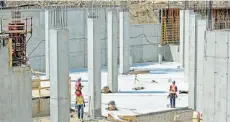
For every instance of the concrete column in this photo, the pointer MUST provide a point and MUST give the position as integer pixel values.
(182, 35)
(160, 52)
(124, 42)
(186, 44)
(47, 54)
(59, 75)
(192, 61)
(94, 65)
(112, 50)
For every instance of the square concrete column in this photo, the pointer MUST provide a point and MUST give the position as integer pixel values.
(94, 65)
(182, 36)
(47, 53)
(112, 26)
(186, 44)
(59, 75)
(124, 41)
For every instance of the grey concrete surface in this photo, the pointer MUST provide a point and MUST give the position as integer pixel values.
(112, 28)
(186, 44)
(125, 42)
(171, 53)
(192, 61)
(200, 34)
(182, 36)
(15, 91)
(45, 107)
(47, 44)
(94, 67)
(176, 115)
(216, 83)
(144, 38)
(59, 75)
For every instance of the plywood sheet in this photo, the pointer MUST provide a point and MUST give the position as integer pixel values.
(44, 93)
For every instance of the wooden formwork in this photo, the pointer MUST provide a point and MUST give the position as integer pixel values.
(36, 85)
(170, 22)
(220, 17)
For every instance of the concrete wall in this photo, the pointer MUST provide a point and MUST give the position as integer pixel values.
(15, 91)
(216, 73)
(207, 69)
(45, 107)
(144, 38)
(171, 52)
(176, 115)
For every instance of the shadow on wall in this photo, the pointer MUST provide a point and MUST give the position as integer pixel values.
(171, 53)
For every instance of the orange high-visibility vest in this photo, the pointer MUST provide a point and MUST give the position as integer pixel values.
(173, 89)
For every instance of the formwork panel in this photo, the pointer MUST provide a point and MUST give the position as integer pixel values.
(210, 40)
(208, 97)
(170, 25)
(220, 90)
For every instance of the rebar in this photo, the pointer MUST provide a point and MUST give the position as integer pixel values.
(59, 17)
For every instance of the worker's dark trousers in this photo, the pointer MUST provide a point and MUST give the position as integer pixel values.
(80, 111)
(173, 102)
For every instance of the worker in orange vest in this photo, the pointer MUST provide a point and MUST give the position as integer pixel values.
(78, 85)
(173, 94)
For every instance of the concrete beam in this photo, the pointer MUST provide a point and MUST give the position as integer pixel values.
(59, 75)
(124, 42)
(47, 53)
(94, 65)
(112, 25)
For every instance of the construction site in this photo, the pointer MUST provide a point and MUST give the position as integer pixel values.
(127, 55)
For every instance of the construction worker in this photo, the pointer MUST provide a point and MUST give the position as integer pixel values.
(78, 85)
(106, 90)
(112, 106)
(80, 104)
(173, 94)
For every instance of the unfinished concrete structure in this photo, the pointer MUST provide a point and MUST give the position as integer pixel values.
(59, 76)
(125, 42)
(112, 42)
(94, 64)
(15, 88)
(47, 42)
(206, 68)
